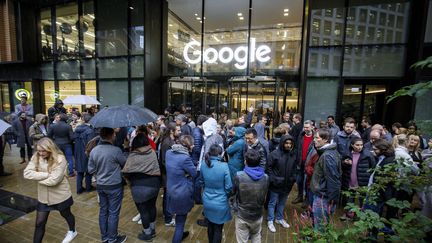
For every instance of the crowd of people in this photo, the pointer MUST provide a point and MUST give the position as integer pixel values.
(229, 166)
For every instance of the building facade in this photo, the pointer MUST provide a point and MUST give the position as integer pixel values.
(320, 58)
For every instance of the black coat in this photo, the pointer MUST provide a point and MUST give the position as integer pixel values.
(281, 167)
(83, 134)
(61, 133)
(365, 162)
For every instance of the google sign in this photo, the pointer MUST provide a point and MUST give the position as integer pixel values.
(226, 54)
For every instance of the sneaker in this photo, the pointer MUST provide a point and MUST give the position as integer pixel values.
(185, 235)
(171, 224)
(145, 237)
(283, 223)
(136, 218)
(297, 200)
(121, 239)
(202, 222)
(70, 235)
(271, 226)
(139, 222)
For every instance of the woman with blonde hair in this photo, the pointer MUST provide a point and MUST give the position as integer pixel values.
(413, 146)
(48, 167)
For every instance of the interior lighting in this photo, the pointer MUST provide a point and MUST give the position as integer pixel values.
(286, 14)
(198, 18)
(286, 10)
(241, 18)
(196, 14)
(239, 14)
(214, 37)
(131, 7)
(283, 47)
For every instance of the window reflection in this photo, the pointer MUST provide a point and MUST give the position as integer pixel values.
(46, 34)
(67, 25)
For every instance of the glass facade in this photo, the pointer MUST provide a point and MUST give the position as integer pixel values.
(10, 47)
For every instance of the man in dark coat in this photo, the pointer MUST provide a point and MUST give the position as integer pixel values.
(83, 134)
(21, 128)
(281, 168)
(252, 142)
(181, 120)
(297, 126)
(343, 138)
(57, 108)
(62, 134)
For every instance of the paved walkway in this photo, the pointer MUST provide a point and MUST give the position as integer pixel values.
(86, 212)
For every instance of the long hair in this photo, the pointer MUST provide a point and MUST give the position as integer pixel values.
(385, 147)
(400, 140)
(54, 152)
(417, 138)
(215, 150)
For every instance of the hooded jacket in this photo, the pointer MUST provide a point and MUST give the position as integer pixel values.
(36, 131)
(235, 151)
(260, 129)
(274, 143)
(281, 167)
(54, 110)
(210, 137)
(83, 134)
(343, 141)
(326, 179)
(198, 136)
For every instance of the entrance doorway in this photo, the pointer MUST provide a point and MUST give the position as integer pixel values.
(363, 100)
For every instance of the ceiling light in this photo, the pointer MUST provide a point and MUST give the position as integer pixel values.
(196, 14)
(286, 14)
(239, 14)
(241, 18)
(214, 37)
(131, 7)
(286, 10)
(170, 25)
(200, 22)
(283, 47)
(198, 18)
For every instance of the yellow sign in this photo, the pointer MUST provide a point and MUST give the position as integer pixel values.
(22, 92)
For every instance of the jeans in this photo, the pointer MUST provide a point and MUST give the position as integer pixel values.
(321, 210)
(300, 180)
(79, 179)
(147, 212)
(214, 232)
(67, 150)
(278, 201)
(180, 221)
(246, 230)
(110, 204)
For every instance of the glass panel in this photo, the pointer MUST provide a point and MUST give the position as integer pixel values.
(137, 27)
(21, 86)
(88, 29)
(180, 93)
(68, 70)
(49, 95)
(137, 66)
(423, 109)
(113, 68)
(113, 92)
(223, 98)
(67, 31)
(316, 87)
(428, 35)
(374, 102)
(327, 26)
(4, 97)
(89, 70)
(351, 101)
(112, 30)
(137, 94)
(281, 34)
(324, 61)
(46, 34)
(9, 38)
(389, 19)
(374, 61)
(226, 37)
(47, 70)
(68, 88)
(184, 26)
(90, 88)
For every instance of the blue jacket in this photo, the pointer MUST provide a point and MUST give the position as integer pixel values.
(83, 134)
(198, 136)
(217, 187)
(180, 174)
(343, 141)
(235, 152)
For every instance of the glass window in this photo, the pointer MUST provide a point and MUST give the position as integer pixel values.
(137, 66)
(363, 15)
(137, 92)
(89, 71)
(137, 27)
(9, 37)
(4, 97)
(372, 16)
(383, 61)
(90, 88)
(67, 25)
(50, 94)
(112, 30)
(68, 70)
(184, 27)
(16, 86)
(428, 34)
(330, 27)
(47, 70)
(325, 59)
(88, 29)
(46, 34)
(113, 68)
(422, 107)
(113, 92)
(275, 42)
(316, 87)
(226, 37)
(68, 88)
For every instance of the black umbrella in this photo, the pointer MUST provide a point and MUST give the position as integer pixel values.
(123, 116)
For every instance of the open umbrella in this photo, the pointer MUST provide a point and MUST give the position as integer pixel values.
(3, 126)
(80, 100)
(123, 116)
